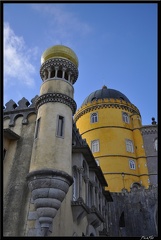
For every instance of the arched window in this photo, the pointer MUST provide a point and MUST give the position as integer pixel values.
(129, 146)
(125, 117)
(95, 146)
(135, 185)
(66, 76)
(94, 117)
(132, 164)
(53, 74)
(59, 75)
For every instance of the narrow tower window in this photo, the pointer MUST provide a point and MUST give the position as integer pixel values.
(60, 126)
(94, 117)
(37, 128)
(95, 146)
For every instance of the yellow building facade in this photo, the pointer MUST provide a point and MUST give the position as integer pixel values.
(111, 124)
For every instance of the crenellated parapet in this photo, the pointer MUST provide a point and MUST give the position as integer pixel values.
(149, 129)
(24, 108)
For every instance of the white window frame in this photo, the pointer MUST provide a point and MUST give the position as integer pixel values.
(94, 117)
(129, 146)
(95, 146)
(125, 117)
(132, 164)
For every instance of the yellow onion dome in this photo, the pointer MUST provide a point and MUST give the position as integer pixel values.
(59, 51)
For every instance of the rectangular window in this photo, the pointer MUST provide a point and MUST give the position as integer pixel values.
(129, 146)
(125, 117)
(60, 126)
(37, 128)
(95, 146)
(94, 117)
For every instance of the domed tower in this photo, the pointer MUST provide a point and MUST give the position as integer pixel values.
(51, 163)
(111, 125)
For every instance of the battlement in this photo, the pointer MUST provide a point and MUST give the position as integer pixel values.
(24, 108)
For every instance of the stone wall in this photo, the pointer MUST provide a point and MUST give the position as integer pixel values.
(134, 214)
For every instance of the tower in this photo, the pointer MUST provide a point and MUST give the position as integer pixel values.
(50, 171)
(111, 125)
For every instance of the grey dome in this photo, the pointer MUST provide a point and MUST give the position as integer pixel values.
(105, 93)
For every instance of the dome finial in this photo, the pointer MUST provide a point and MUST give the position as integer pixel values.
(104, 87)
(153, 121)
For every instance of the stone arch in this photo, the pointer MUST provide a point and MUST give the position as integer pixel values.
(135, 185)
(90, 231)
(16, 117)
(31, 115)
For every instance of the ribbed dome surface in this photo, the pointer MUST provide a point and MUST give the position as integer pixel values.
(105, 93)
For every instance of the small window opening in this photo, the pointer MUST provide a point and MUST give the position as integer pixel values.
(125, 117)
(53, 74)
(94, 117)
(95, 146)
(59, 75)
(66, 76)
(37, 128)
(60, 127)
(132, 164)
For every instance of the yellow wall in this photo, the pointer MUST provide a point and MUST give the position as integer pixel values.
(112, 132)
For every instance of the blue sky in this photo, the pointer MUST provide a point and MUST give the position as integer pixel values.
(116, 44)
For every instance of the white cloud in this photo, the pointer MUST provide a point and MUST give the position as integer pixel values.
(17, 65)
(64, 24)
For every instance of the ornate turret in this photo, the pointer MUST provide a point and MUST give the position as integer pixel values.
(50, 170)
